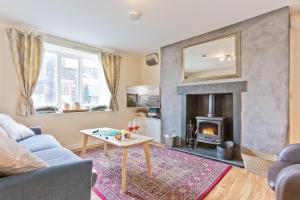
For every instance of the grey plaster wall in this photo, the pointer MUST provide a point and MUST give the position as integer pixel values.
(265, 67)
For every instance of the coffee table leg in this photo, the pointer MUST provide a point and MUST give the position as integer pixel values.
(124, 169)
(105, 149)
(147, 155)
(85, 140)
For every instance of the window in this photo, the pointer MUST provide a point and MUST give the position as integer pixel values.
(70, 75)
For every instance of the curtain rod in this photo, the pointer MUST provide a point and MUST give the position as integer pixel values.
(69, 43)
(75, 45)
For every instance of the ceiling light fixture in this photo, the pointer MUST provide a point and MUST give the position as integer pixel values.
(135, 15)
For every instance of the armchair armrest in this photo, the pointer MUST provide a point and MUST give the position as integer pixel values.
(287, 183)
(62, 182)
(290, 153)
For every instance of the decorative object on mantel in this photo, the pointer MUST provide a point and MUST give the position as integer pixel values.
(152, 59)
(216, 58)
(257, 162)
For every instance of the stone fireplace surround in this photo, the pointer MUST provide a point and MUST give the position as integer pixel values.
(235, 88)
(260, 95)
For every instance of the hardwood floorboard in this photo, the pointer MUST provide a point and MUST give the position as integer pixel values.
(237, 184)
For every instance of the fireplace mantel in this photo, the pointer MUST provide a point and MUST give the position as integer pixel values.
(213, 88)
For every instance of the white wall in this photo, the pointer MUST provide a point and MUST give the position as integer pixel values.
(65, 127)
(294, 136)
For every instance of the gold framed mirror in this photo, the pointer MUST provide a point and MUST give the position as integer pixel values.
(216, 58)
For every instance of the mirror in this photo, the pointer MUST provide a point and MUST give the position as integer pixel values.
(214, 59)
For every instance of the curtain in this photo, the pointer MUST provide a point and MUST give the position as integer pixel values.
(27, 53)
(111, 65)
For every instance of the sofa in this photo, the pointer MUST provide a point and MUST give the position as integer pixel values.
(284, 174)
(67, 176)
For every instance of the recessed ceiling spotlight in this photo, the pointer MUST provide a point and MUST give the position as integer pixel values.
(135, 14)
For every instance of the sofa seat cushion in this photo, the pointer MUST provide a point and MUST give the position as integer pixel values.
(57, 156)
(40, 142)
(274, 171)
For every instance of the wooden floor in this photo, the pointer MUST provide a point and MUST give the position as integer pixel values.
(237, 184)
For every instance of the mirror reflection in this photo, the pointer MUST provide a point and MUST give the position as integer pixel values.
(217, 58)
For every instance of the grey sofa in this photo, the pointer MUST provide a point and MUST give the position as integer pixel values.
(284, 174)
(68, 177)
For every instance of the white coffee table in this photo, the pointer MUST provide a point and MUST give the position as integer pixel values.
(124, 144)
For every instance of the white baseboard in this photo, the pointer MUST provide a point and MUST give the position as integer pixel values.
(79, 145)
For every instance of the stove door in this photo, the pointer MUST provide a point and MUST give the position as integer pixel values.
(210, 131)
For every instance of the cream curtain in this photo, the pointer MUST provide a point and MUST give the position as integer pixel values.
(27, 53)
(111, 65)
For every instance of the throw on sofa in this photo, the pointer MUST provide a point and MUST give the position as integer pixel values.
(68, 177)
(284, 174)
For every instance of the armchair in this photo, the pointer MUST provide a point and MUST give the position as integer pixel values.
(284, 174)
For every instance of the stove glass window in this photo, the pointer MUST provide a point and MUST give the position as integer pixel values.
(208, 128)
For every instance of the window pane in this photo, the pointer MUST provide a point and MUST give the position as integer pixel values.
(69, 79)
(45, 91)
(90, 82)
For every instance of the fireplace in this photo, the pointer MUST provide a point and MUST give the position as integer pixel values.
(210, 129)
(211, 115)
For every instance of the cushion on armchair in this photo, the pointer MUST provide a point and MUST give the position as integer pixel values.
(16, 159)
(14, 130)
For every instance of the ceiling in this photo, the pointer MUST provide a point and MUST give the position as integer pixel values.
(105, 23)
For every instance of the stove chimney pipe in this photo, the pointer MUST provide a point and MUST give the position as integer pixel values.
(211, 105)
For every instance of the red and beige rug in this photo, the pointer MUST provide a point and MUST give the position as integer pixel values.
(175, 175)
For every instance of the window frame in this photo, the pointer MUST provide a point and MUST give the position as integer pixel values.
(59, 55)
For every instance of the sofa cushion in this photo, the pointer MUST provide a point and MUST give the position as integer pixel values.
(14, 130)
(16, 159)
(274, 171)
(40, 142)
(57, 156)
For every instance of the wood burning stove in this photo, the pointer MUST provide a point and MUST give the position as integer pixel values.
(210, 129)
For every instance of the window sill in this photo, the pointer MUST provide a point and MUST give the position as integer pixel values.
(67, 113)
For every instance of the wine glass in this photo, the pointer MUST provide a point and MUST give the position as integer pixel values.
(137, 125)
(130, 126)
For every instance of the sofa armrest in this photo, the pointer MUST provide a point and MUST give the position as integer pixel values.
(287, 183)
(290, 153)
(36, 129)
(62, 182)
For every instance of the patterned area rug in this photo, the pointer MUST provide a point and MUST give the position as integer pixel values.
(175, 175)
